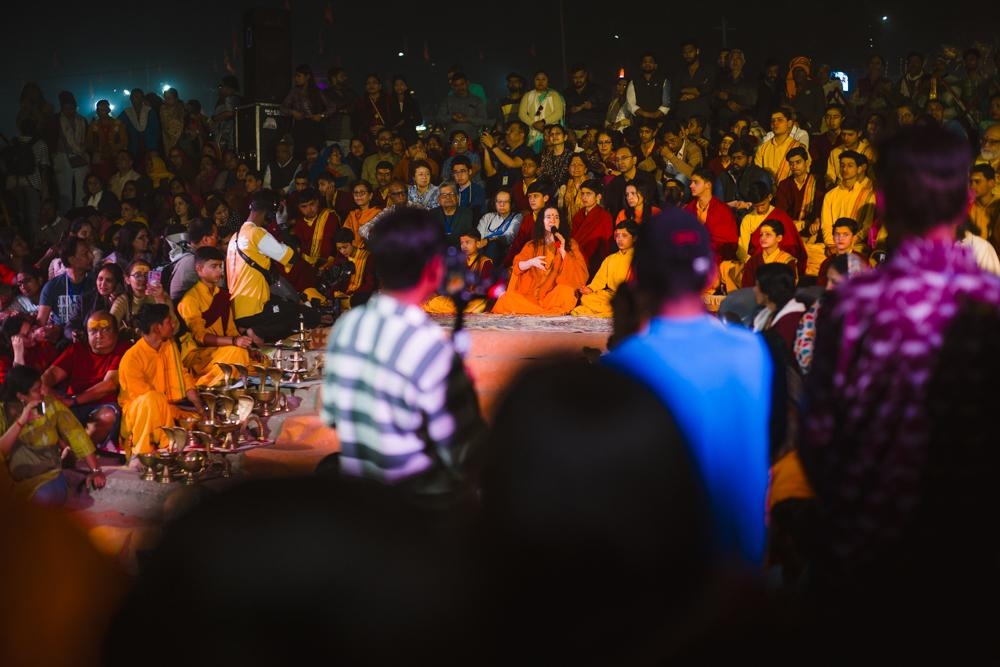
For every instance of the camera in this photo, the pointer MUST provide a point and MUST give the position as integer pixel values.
(336, 277)
(459, 282)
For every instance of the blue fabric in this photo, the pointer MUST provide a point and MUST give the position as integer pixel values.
(53, 493)
(84, 411)
(716, 380)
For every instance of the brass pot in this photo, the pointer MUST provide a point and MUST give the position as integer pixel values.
(167, 459)
(192, 463)
(148, 460)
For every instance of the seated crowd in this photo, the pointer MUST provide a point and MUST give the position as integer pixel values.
(814, 439)
(141, 255)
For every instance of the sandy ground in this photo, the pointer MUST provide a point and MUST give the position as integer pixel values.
(125, 518)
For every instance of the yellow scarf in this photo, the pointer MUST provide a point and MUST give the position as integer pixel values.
(317, 237)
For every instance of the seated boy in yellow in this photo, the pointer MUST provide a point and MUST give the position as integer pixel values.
(595, 298)
(152, 381)
(211, 335)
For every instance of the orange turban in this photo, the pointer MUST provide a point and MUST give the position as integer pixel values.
(798, 62)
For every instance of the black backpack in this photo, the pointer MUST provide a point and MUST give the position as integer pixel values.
(167, 273)
(19, 157)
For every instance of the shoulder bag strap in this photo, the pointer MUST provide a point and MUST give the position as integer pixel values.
(246, 258)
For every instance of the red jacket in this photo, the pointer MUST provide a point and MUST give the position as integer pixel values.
(594, 233)
(723, 229)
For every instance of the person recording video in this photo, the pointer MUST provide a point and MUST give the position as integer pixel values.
(260, 315)
(409, 419)
(469, 274)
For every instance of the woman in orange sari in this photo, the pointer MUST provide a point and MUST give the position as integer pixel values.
(362, 192)
(547, 272)
(569, 193)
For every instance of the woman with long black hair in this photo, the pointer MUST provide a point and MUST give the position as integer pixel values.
(133, 244)
(638, 203)
(547, 272)
(404, 112)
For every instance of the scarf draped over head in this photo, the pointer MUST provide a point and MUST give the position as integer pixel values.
(798, 62)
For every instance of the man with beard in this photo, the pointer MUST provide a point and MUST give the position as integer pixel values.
(614, 192)
(585, 102)
(648, 95)
(733, 185)
(383, 153)
(461, 110)
(508, 106)
(913, 86)
(502, 164)
(694, 84)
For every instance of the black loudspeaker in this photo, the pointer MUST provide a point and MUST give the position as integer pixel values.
(259, 127)
(267, 54)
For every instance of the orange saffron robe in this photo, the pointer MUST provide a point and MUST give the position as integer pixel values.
(549, 292)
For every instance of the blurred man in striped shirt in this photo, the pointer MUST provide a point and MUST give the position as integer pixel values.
(395, 388)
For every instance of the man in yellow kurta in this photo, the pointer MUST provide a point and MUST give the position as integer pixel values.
(770, 155)
(595, 298)
(248, 285)
(850, 132)
(152, 380)
(212, 336)
(854, 198)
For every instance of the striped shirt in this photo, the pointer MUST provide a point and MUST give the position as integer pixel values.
(397, 393)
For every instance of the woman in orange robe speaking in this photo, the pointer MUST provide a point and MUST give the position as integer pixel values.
(547, 272)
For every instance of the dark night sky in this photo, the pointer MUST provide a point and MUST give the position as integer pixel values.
(182, 43)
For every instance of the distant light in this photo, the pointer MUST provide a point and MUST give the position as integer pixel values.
(126, 92)
(421, 128)
(885, 18)
(111, 106)
(400, 54)
(616, 36)
(115, 90)
(166, 87)
(621, 73)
